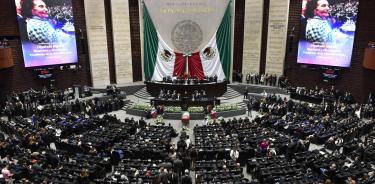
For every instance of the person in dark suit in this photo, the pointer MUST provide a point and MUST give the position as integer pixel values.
(193, 156)
(172, 177)
(142, 123)
(186, 179)
(249, 108)
(215, 78)
(246, 93)
(163, 176)
(178, 166)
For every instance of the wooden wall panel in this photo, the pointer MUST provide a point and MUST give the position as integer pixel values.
(8, 20)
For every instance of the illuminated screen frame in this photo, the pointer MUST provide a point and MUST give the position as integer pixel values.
(47, 32)
(327, 40)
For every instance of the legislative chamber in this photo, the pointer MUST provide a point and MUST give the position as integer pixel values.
(187, 92)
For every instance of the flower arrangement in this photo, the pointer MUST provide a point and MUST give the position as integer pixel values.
(159, 119)
(226, 107)
(173, 109)
(142, 106)
(195, 109)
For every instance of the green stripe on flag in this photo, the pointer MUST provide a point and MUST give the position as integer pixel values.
(150, 45)
(223, 40)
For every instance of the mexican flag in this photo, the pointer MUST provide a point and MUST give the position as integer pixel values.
(215, 56)
(161, 61)
(158, 56)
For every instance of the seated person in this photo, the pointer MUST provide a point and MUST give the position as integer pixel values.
(180, 80)
(174, 95)
(161, 94)
(197, 95)
(169, 79)
(203, 94)
(186, 94)
(263, 145)
(112, 89)
(206, 78)
(174, 78)
(87, 91)
(195, 79)
(190, 80)
(168, 95)
(215, 78)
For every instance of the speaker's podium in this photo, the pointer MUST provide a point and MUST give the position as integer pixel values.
(369, 59)
(6, 57)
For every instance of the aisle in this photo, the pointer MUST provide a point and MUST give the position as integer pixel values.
(178, 126)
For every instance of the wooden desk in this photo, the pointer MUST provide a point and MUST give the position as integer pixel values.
(186, 102)
(213, 89)
(369, 59)
(6, 57)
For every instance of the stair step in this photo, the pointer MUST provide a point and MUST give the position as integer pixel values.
(142, 93)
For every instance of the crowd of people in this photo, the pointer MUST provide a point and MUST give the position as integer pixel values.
(319, 94)
(174, 95)
(187, 79)
(261, 79)
(46, 103)
(274, 145)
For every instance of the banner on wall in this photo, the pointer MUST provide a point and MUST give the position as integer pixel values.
(47, 32)
(277, 36)
(327, 32)
(162, 60)
(169, 15)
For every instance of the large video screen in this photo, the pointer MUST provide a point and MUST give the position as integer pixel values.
(47, 32)
(327, 32)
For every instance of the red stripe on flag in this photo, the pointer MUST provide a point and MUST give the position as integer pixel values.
(179, 65)
(195, 66)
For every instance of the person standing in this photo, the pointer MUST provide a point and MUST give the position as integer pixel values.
(248, 78)
(262, 79)
(263, 145)
(234, 154)
(249, 108)
(193, 156)
(186, 179)
(245, 93)
(178, 166)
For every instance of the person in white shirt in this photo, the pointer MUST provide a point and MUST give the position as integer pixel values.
(205, 122)
(187, 141)
(338, 144)
(234, 154)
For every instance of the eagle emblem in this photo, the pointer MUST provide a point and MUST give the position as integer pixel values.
(209, 53)
(166, 56)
